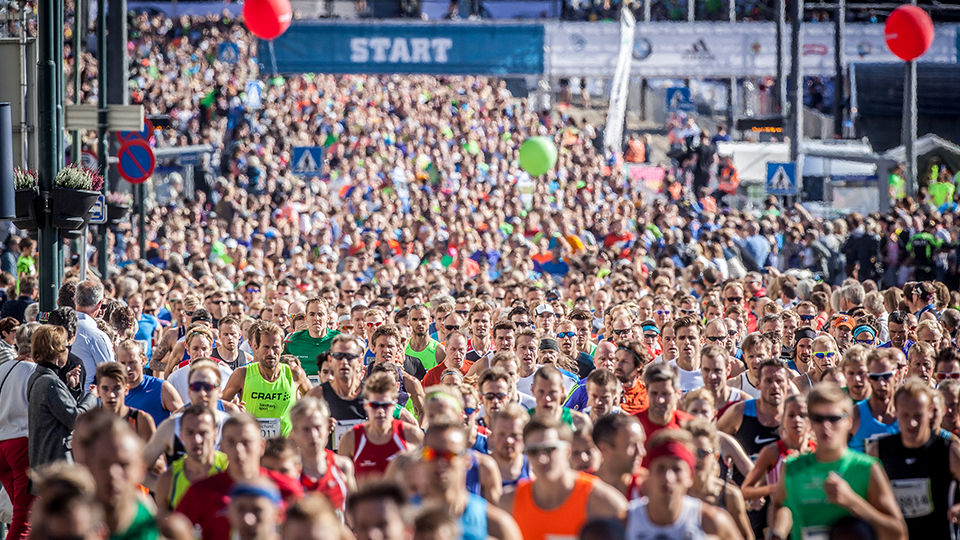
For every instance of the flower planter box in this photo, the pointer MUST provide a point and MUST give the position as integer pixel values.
(116, 213)
(71, 207)
(26, 201)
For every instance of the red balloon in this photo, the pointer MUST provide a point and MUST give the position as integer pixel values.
(908, 32)
(267, 19)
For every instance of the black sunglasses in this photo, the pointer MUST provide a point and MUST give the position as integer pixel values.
(715, 339)
(344, 356)
(826, 418)
(451, 327)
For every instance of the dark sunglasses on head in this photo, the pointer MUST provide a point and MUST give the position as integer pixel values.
(201, 386)
(826, 418)
(344, 356)
(885, 376)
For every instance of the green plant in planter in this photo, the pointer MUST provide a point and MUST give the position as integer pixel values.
(25, 179)
(76, 176)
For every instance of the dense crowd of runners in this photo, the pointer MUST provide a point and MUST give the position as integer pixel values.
(426, 342)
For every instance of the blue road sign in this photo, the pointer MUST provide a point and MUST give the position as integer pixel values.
(135, 161)
(252, 95)
(228, 52)
(98, 213)
(191, 159)
(782, 178)
(307, 160)
(126, 136)
(678, 99)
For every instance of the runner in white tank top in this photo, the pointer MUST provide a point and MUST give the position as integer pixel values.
(688, 526)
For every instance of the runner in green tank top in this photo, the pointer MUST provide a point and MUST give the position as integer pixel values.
(268, 388)
(834, 482)
(421, 346)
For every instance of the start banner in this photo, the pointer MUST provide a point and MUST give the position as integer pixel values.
(403, 47)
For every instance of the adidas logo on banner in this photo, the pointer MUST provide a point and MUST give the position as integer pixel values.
(698, 50)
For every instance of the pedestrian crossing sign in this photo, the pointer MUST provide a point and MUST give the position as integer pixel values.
(307, 160)
(782, 178)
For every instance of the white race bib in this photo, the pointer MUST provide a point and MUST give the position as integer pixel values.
(270, 427)
(913, 496)
(815, 533)
(342, 427)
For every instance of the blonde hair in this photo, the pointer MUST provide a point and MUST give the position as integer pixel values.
(204, 364)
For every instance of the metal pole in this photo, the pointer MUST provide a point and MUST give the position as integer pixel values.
(781, 80)
(142, 210)
(691, 10)
(731, 104)
(102, 125)
(732, 10)
(796, 86)
(646, 10)
(49, 163)
(78, 27)
(910, 126)
(839, 27)
(83, 252)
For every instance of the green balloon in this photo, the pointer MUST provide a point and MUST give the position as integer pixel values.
(538, 155)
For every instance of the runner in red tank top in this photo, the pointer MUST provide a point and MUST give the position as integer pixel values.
(322, 471)
(332, 484)
(372, 444)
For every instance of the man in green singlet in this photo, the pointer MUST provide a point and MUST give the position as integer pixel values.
(818, 489)
(307, 344)
(421, 346)
(268, 387)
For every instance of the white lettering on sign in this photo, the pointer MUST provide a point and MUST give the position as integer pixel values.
(400, 50)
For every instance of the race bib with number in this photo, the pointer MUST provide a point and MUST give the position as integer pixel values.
(913, 496)
(270, 427)
(816, 533)
(342, 427)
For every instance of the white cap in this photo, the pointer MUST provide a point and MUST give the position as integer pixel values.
(543, 308)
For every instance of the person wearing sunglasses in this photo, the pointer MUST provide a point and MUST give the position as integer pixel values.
(444, 462)
(343, 393)
(833, 482)
(428, 351)
(865, 335)
(567, 340)
(663, 312)
(372, 444)
(672, 472)
(917, 459)
(875, 416)
(573, 497)
(267, 386)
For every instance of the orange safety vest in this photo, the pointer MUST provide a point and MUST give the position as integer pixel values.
(728, 180)
(563, 521)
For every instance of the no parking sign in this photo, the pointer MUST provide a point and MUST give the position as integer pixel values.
(135, 161)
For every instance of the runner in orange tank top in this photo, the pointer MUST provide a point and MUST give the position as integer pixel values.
(561, 500)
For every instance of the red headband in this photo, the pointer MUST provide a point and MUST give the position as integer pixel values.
(672, 449)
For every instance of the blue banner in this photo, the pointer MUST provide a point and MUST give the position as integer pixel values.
(421, 48)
